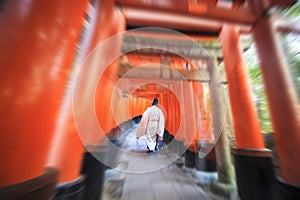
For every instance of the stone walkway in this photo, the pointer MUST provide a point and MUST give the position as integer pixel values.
(148, 176)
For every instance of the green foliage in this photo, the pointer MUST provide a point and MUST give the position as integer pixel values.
(291, 47)
(258, 90)
(293, 11)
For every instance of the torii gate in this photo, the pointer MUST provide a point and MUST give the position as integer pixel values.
(38, 43)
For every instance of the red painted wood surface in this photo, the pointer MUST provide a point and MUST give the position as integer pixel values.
(282, 98)
(37, 41)
(245, 118)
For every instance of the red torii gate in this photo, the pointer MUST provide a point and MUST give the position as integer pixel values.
(37, 26)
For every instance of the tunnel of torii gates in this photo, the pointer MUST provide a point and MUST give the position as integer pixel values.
(43, 46)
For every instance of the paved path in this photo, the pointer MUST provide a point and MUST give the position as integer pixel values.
(146, 176)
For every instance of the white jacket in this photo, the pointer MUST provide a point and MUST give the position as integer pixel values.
(152, 124)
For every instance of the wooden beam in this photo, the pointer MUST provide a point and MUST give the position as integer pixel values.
(188, 49)
(196, 16)
(154, 73)
(241, 15)
(283, 3)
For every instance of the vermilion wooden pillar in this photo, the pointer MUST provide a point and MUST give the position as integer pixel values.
(198, 92)
(37, 47)
(133, 106)
(282, 99)
(124, 109)
(246, 123)
(109, 22)
(104, 28)
(66, 150)
(105, 11)
(253, 163)
(170, 109)
(130, 107)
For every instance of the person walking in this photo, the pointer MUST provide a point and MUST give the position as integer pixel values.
(152, 125)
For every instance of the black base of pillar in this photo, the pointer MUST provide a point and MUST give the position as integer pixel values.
(286, 191)
(174, 145)
(168, 138)
(190, 159)
(254, 173)
(207, 157)
(180, 148)
(204, 164)
(70, 191)
(41, 187)
(93, 170)
(137, 119)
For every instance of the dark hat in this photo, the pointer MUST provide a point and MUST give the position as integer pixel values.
(155, 101)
